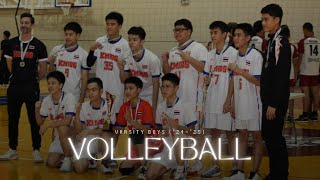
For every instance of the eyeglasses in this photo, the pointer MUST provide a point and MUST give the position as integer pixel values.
(179, 30)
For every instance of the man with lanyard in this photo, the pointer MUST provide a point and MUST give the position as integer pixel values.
(25, 55)
(275, 94)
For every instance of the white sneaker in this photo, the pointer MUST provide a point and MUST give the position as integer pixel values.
(66, 165)
(211, 172)
(180, 174)
(195, 168)
(106, 170)
(236, 176)
(10, 155)
(37, 156)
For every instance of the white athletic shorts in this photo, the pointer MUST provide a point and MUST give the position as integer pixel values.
(219, 121)
(250, 125)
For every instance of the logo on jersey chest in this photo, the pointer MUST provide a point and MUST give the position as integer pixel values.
(90, 122)
(220, 68)
(138, 73)
(118, 50)
(179, 65)
(112, 57)
(248, 63)
(63, 63)
(225, 59)
(76, 57)
(144, 66)
(17, 54)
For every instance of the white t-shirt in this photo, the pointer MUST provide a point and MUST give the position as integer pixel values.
(248, 104)
(181, 112)
(70, 63)
(93, 118)
(311, 57)
(217, 68)
(191, 87)
(65, 107)
(146, 68)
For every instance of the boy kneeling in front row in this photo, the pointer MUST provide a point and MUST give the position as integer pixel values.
(172, 115)
(89, 123)
(60, 108)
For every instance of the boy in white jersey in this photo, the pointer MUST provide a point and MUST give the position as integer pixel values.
(294, 69)
(309, 57)
(143, 64)
(70, 59)
(172, 115)
(59, 107)
(106, 51)
(89, 123)
(258, 41)
(187, 61)
(218, 99)
(247, 105)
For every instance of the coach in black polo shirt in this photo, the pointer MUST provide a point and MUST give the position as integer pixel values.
(26, 58)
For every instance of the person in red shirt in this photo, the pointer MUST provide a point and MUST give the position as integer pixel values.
(137, 115)
(309, 73)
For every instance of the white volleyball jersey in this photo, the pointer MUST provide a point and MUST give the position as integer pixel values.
(294, 54)
(107, 69)
(106, 66)
(146, 68)
(182, 113)
(258, 43)
(248, 104)
(65, 107)
(71, 63)
(310, 48)
(217, 68)
(191, 81)
(91, 117)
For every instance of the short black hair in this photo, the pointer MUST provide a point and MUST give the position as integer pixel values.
(7, 33)
(219, 25)
(273, 10)
(173, 78)
(285, 31)
(139, 31)
(115, 16)
(308, 26)
(134, 80)
(58, 76)
(96, 80)
(257, 26)
(23, 15)
(246, 28)
(231, 26)
(73, 26)
(184, 22)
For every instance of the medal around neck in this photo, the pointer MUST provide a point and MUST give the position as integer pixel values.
(22, 64)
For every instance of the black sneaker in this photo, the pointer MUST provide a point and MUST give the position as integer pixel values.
(313, 116)
(303, 118)
(267, 177)
(253, 176)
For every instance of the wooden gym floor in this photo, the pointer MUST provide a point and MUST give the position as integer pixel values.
(304, 156)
